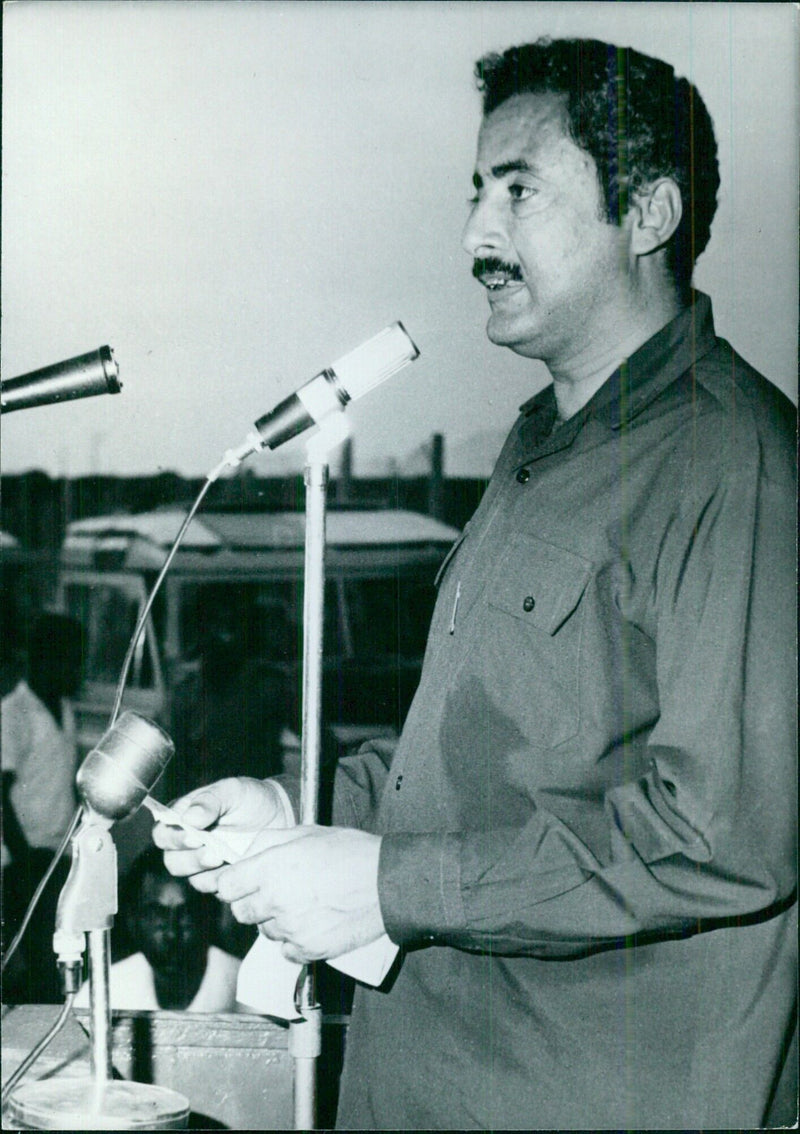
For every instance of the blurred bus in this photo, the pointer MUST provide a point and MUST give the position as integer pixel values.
(222, 647)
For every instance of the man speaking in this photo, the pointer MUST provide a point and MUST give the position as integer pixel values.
(584, 840)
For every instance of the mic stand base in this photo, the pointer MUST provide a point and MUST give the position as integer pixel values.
(76, 1104)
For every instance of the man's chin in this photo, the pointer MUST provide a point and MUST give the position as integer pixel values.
(508, 333)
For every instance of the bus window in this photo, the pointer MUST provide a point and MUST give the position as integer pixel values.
(108, 615)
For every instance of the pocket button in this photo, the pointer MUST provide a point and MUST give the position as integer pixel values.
(529, 602)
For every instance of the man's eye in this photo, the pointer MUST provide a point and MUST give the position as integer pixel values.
(521, 192)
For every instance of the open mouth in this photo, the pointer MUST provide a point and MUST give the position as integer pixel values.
(498, 282)
(495, 275)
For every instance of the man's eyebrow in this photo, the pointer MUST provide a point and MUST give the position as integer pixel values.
(519, 165)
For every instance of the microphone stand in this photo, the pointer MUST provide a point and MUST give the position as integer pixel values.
(305, 1035)
(86, 908)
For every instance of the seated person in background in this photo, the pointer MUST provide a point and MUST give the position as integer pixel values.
(38, 752)
(173, 966)
(40, 666)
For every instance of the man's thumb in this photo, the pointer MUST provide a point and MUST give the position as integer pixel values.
(202, 810)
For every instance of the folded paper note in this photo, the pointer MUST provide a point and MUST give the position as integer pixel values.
(267, 981)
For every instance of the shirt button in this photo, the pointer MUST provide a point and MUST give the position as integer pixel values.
(528, 603)
(397, 783)
(523, 476)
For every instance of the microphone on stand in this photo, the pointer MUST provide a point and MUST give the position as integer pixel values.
(94, 373)
(328, 392)
(333, 388)
(112, 782)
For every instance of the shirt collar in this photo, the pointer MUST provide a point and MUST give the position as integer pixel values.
(643, 377)
(657, 364)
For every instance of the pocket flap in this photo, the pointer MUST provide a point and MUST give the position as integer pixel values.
(539, 582)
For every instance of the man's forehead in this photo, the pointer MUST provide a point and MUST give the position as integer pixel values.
(163, 892)
(521, 127)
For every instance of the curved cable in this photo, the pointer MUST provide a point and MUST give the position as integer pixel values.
(46, 1040)
(137, 632)
(11, 950)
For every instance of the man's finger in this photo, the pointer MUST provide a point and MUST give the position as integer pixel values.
(293, 953)
(249, 910)
(184, 863)
(200, 808)
(168, 837)
(197, 809)
(269, 837)
(205, 882)
(244, 878)
(269, 928)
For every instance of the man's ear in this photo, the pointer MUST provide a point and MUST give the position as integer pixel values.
(654, 215)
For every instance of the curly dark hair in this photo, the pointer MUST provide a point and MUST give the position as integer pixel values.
(633, 115)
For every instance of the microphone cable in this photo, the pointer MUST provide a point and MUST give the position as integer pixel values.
(11, 950)
(145, 613)
(43, 1043)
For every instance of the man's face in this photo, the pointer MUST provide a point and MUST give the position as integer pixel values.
(555, 271)
(166, 923)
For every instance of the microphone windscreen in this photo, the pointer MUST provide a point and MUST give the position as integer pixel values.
(124, 766)
(375, 360)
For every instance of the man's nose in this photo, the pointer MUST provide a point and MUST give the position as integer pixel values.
(484, 233)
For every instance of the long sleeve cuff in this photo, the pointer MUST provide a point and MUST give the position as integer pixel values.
(289, 814)
(419, 886)
(288, 791)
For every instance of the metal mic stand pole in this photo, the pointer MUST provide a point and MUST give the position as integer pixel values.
(305, 1035)
(99, 941)
(88, 904)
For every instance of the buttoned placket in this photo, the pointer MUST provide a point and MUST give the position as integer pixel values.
(517, 477)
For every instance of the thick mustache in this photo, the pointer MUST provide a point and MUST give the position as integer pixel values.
(491, 265)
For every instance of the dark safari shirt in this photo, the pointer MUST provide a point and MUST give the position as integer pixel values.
(588, 824)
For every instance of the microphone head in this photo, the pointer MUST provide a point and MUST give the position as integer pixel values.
(94, 373)
(124, 767)
(352, 376)
(374, 361)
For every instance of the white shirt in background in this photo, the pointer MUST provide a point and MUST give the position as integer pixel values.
(132, 986)
(42, 756)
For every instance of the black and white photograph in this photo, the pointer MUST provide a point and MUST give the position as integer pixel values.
(398, 548)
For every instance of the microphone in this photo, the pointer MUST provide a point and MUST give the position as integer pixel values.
(94, 373)
(118, 774)
(333, 388)
(112, 782)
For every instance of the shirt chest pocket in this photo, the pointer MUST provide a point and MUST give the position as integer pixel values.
(539, 583)
(535, 624)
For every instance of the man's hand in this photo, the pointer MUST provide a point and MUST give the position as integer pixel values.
(313, 888)
(237, 809)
